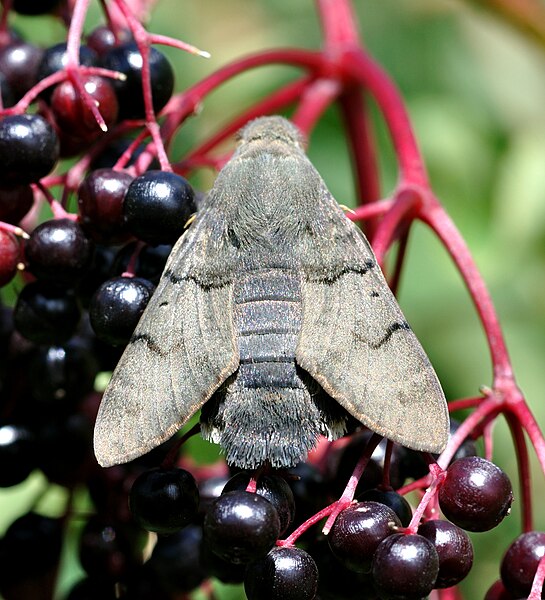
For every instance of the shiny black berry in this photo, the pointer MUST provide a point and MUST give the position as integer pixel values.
(176, 560)
(271, 487)
(357, 532)
(241, 527)
(10, 256)
(286, 573)
(519, 564)
(164, 500)
(15, 202)
(405, 567)
(29, 149)
(117, 306)
(476, 494)
(454, 549)
(54, 59)
(157, 206)
(391, 499)
(19, 64)
(59, 250)
(100, 205)
(45, 313)
(17, 454)
(127, 59)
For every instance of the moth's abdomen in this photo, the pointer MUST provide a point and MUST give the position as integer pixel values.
(268, 410)
(267, 322)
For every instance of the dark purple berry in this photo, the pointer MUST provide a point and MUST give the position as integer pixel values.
(19, 64)
(102, 39)
(241, 527)
(157, 206)
(127, 59)
(519, 565)
(476, 494)
(73, 116)
(391, 499)
(150, 261)
(274, 489)
(17, 454)
(100, 205)
(109, 551)
(209, 490)
(58, 250)
(286, 573)
(497, 591)
(164, 500)
(405, 567)
(62, 373)
(65, 449)
(30, 548)
(34, 7)
(46, 314)
(29, 149)
(54, 59)
(225, 571)
(15, 202)
(117, 306)
(176, 560)
(454, 549)
(357, 532)
(10, 256)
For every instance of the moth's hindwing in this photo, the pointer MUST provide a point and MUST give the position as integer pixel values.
(356, 343)
(182, 350)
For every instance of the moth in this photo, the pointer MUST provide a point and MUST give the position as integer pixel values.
(273, 317)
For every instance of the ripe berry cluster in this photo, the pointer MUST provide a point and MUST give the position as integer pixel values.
(76, 284)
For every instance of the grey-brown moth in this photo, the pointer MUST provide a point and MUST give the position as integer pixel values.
(273, 317)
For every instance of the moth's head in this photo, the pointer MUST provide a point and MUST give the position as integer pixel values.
(272, 129)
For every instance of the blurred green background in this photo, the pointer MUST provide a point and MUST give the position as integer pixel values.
(475, 89)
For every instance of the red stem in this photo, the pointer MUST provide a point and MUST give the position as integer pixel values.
(435, 216)
(184, 104)
(362, 68)
(338, 24)
(362, 145)
(272, 103)
(523, 470)
(315, 100)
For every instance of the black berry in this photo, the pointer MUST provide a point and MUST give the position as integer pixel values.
(157, 206)
(405, 567)
(357, 532)
(454, 549)
(241, 527)
(45, 313)
(100, 205)
(117, 306)
(274, 489)
(519, 564)
(59, 250)
(164, 500)
(286, 573)
(127, 59)
(476, 494)
(29, 149)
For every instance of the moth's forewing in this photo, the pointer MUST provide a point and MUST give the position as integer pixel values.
(355, 341)
(182, 350)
